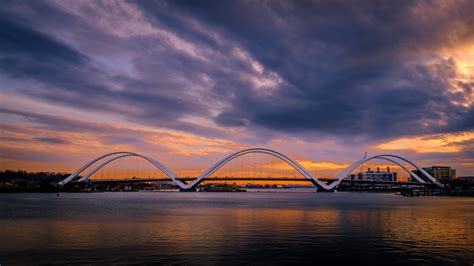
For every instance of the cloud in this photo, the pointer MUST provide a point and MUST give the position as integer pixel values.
(442, 143)
(355, 74)
(54, 122)
(53, 135)
(163, 83)
(20, 41)
(349, 68)
(51, 140)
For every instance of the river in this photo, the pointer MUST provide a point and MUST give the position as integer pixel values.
(235, 228)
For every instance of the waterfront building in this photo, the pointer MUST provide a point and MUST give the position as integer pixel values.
(374, 175)
(444, 174)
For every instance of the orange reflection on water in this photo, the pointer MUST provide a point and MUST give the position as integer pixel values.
(158, 226)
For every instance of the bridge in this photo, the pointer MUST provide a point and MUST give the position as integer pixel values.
(189, 184)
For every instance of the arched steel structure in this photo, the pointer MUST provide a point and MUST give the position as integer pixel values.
(412, 174)
(300, 169)
(157, 164)
(388, 157)
(100, 166)
(206, 174)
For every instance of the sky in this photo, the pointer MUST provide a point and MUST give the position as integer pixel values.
(188, 82)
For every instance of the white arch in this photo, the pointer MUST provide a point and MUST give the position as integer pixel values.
(343, 174)
(100, 166)
(307, 174)
(276, 154)
(157, 164)
(353, 166)
(426, 174)
(206, 174)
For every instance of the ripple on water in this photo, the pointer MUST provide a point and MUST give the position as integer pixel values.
(235, 228)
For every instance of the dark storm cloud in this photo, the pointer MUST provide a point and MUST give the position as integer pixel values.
(369, 68)
(31, 155)
(52, 140)
(54, 123)
(19, 41)
(70, 78)
(351, 68)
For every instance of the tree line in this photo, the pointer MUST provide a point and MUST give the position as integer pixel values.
(10, 175)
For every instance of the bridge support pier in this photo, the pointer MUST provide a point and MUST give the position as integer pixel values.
(319, 188)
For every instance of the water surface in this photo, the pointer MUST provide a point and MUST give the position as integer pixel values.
(235, 228)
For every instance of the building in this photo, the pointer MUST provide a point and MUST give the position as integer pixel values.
(374, 175)
(443, 174)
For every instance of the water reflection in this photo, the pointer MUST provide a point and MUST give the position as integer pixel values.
(234, 228)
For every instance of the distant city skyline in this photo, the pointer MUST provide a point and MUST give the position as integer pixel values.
(187, 82)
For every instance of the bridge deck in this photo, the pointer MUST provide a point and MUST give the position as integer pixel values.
(137, 180)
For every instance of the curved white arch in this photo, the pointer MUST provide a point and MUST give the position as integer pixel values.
(100, 166)
(276, 154)
(426, 174)
(157, 164)
(307, 174)
(343, 174)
